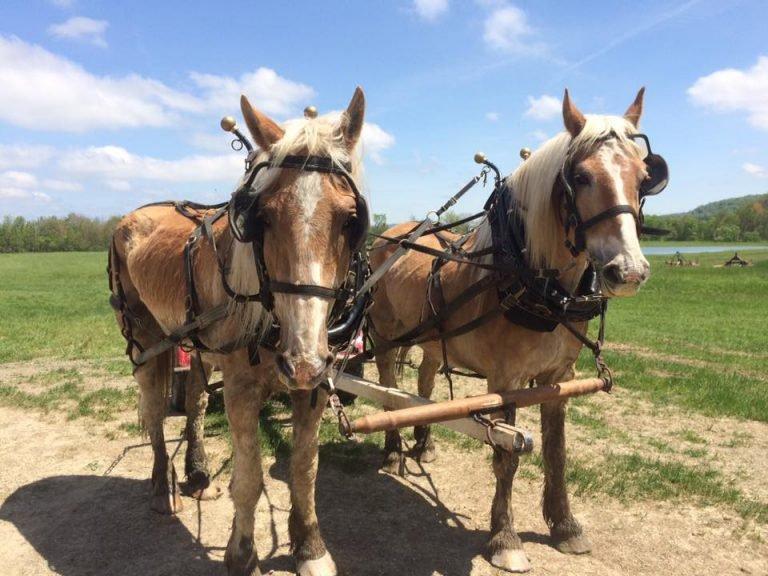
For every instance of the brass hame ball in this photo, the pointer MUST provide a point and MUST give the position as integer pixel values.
(480, 158)
(228, 124)
(310, 112)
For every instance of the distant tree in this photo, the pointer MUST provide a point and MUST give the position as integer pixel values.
(379, 224)
(727, 233)
(53, 234)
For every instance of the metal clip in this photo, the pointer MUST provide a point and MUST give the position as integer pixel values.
(337, 408)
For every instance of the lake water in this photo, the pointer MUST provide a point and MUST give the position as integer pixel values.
(669, 250)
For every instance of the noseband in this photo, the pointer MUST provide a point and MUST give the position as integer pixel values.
(267, 286)
(658, 176)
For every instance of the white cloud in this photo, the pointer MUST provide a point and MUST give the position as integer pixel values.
(375, 140)
(506, 29)
(47, 92)
(545, 107)
(21, 156)
(118, 185)
(17, 179)
(735, 90)
(265, 89)
(11, 193)
(430, 10)
(81, 29)
(44, 91)
(61, 185)
(492, 116)
(755, 170)
(116, 163)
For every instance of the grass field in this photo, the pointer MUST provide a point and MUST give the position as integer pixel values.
(694, 336)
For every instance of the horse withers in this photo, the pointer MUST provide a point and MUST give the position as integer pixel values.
(594, 168)
(279, 254)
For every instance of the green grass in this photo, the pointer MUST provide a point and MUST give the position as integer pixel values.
(695, 337)
(633, 477)
(56, 305)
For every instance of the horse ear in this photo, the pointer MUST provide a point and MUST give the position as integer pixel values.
(263, 129)
(635, 110)
(352, 119)
(573, 119)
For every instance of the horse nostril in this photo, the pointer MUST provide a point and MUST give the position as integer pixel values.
(328, 360)
(285, 366)
(612, 273)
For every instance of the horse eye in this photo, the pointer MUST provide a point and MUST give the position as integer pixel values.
(264, 220)
(581, 179)
(350, 221)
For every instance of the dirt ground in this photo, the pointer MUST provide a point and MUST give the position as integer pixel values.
(69, 507)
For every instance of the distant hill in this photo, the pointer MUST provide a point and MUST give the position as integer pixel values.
(725, 206)
(744, 218)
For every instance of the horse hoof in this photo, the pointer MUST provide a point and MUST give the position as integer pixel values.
(241, 560)
(167, 504)
(511, 561)
(323, 566)
(210, 492)
(394, 463)
(425, 455)
(574, 545)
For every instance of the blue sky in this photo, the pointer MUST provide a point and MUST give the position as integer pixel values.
(108, 105)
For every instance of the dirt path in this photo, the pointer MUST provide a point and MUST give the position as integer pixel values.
(61, 515)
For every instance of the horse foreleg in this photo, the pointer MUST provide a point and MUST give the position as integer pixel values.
(564, 529)
(505, 549)
(312, 557)
(154, 379)
(394, 459)
(243, 399)
(424, 448)
(196, 461)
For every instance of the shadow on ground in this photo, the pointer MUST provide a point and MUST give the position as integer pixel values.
(378, 525)
(373, 524)
(94, 525)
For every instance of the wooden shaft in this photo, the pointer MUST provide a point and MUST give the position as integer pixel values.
(504, 436)
(461, 408)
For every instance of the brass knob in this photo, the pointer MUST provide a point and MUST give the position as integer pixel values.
(228, 124)
(525, 153)
(310, 112)
(480, 158)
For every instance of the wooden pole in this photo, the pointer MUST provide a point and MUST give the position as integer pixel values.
(503, 435)
(433, 413)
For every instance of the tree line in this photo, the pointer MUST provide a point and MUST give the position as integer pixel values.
(747, 223)
(73, 233)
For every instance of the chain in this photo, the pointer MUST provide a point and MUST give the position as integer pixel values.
(338, 409)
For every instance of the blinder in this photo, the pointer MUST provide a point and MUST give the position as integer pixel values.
(655, 166)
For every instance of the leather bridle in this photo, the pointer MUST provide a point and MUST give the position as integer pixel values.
(658, 176)
(253, 232)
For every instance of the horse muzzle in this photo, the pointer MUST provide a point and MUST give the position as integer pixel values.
(302, 372)
(623, 276)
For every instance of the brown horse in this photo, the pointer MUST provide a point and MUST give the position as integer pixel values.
(608, 170)
(303, 216)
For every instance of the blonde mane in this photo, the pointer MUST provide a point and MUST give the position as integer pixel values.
(532, 184)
